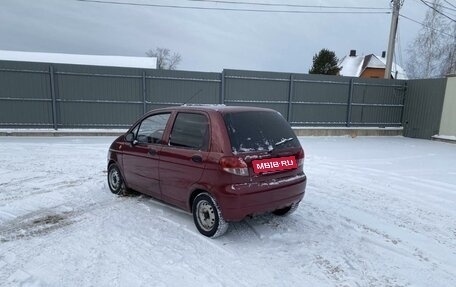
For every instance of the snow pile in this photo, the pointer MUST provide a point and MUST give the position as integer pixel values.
(76, 59)
(378, 212)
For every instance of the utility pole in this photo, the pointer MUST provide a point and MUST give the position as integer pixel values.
(392, 38)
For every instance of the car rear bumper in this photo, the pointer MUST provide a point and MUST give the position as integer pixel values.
(240, 200)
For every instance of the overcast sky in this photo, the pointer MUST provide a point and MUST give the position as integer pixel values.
(207, 40)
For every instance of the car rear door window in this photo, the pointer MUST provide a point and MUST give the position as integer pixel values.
(190, 130)
(151, 128)
(259, 131)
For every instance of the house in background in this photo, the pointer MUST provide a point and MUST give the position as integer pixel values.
(370, 66)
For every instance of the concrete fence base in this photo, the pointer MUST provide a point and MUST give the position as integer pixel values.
(353, 132)
(443, 138)
(299, 131)
(60, 133)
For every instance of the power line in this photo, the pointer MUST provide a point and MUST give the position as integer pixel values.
(288, 5)
(441, 6)
(452, 5)
(433, 8)
(448, 8)
(231, 9)
(424, 25)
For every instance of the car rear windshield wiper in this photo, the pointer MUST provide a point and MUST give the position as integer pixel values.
(283, 140)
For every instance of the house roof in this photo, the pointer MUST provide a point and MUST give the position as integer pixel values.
(354, 66)
(76, 59)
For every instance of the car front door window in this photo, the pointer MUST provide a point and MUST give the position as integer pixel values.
(152, 128)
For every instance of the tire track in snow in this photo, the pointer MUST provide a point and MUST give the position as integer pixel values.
(42, 225)
(417, 182)
(408, 249)
(43, 221)
(34, 227)
(175, 217)
(168, 219)
(239, 232)
(369, 242)
(430, 210)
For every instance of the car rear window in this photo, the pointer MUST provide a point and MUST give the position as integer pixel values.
(259, 131)
(190, 131)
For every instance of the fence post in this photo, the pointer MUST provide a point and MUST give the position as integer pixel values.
(404, 94)
(54, 106)
(349, 104)
(222, 89)
(144, 94)
(290, 97)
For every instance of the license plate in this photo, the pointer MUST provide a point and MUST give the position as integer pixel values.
(274, 164)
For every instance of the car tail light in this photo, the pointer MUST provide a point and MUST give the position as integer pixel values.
(234, 165)
(300, 157)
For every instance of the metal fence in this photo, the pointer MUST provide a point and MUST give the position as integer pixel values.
(423, 110)
(73, 96)
(317, 100)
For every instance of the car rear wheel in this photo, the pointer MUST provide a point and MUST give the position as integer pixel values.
(115, 181)
(207, 216)
(286, 210)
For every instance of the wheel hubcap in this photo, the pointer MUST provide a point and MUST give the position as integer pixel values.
(114, 179)
(205, 215)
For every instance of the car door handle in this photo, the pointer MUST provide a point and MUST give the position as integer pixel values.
(152, 151)
(197, 158)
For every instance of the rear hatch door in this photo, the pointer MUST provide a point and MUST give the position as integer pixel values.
(266, 142)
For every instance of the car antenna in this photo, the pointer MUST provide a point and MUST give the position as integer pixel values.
(188, 100)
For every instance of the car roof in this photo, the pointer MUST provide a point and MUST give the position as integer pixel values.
(213, 108)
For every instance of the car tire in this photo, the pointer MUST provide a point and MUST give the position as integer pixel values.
(208, 217)
(286, 210)
(115, 180)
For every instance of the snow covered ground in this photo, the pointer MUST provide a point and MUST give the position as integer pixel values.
(377, 212)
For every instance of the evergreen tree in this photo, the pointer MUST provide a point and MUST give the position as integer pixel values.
(325, 62)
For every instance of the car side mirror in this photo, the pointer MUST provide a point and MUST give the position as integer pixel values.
(130, 137)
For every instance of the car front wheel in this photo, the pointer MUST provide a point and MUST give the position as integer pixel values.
(115, 181)
(207, 216)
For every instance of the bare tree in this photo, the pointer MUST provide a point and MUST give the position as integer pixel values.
(433, 47)
(165, 60)
(449, 58)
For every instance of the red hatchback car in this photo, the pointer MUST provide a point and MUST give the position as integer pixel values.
(221, 163)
